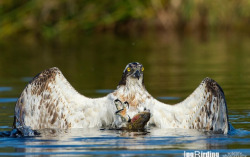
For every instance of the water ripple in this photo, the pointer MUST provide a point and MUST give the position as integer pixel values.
(3, 89)
(104, 91)
(7, 100)
(26, 79)
(168, 98)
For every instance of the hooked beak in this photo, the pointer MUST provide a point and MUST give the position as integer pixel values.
(137, 74)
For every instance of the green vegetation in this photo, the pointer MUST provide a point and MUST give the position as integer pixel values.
(50, 18)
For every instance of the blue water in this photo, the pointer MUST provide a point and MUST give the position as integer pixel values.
(173, 69)
(2, 89)
(6, 100)
(110, 142)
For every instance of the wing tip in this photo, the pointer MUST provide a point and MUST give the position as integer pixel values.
(46, 74)
(216, 90)
(213, 86)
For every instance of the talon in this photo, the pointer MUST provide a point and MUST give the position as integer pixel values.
(118, 104)
(129, 119)
(117, 100)
(118, 111)
(126, 103)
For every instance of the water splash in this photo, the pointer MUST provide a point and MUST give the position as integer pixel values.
(20, 132)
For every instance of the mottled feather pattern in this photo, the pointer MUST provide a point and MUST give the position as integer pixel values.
(211, 112)
(49, 101)
(204, 109)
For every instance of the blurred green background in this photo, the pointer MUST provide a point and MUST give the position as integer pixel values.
(179, 42)
(50, 19)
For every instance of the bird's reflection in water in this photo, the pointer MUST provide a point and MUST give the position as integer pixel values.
(94, 141)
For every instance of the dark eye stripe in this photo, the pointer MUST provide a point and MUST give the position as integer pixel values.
(134, 66)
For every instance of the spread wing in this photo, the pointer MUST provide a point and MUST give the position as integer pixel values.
(49, 101)
(204, 109)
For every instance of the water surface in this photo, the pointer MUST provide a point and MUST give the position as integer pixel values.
(174, 67)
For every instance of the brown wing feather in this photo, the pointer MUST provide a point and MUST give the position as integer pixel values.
(211, 113)
(41, 103)
(204, 109)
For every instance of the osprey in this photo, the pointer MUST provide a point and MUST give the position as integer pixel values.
(49, 101)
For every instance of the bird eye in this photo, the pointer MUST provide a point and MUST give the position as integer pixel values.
(128, 69)
(142, 69)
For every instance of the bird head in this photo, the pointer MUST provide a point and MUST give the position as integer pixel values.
(132, 71)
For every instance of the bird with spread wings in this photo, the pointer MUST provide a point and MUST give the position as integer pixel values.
(49, 101)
